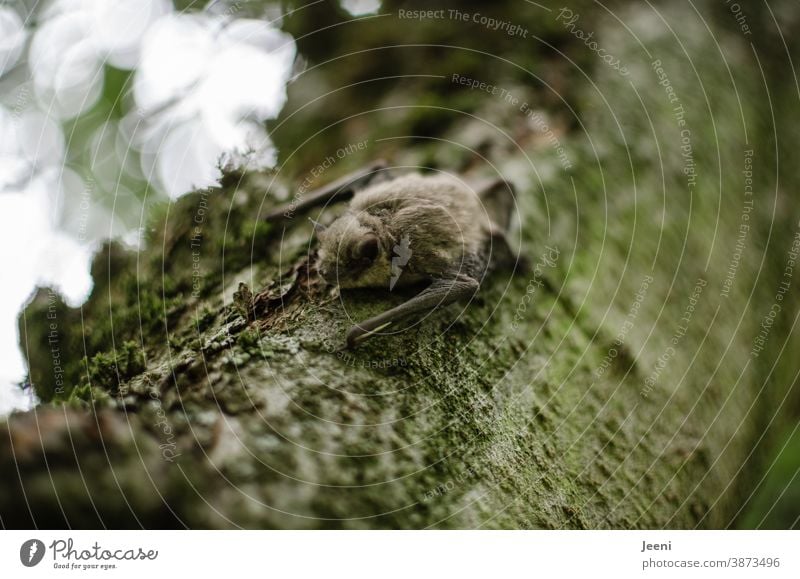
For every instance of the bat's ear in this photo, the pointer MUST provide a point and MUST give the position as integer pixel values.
(367, 249)
(318, 227)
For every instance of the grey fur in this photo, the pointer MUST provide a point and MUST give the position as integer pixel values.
(451, 232)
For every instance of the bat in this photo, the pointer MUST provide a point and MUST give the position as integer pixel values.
(410, 229)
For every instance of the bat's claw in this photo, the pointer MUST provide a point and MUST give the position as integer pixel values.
(352, 338)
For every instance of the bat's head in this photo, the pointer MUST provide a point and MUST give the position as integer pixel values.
(353, 252)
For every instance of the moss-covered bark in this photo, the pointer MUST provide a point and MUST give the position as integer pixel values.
(614, 385)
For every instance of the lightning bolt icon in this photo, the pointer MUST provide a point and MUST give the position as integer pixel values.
(32, 552)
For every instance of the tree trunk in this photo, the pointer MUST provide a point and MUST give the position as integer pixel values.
(618, 383)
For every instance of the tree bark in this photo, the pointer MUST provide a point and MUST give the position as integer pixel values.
(616, 384)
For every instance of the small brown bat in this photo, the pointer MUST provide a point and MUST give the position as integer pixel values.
(408, 230)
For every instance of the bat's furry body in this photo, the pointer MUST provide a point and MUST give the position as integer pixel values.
(411, 229)
(442, 219)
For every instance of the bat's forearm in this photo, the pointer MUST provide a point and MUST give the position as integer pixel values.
(439, 294)
(342, 188)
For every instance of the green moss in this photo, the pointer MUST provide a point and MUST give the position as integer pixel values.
(249, 340)
(110, 369)
(205, 317)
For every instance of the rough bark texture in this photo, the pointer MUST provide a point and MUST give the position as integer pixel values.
(613, 386)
